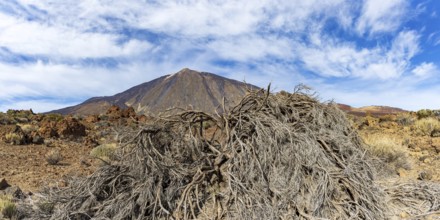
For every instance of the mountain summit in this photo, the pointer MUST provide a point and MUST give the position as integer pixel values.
(186, 89)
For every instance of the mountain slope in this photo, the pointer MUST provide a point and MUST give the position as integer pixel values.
(373, 110)
(186, 89)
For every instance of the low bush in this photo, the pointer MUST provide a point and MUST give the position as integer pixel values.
(426, 126)
(7, 207)
(386, 118)
(14, 138)
(28, 128)
(424, 113)
(388, 149)
(54, 117)
(54, 157)
(4, 119)
(405, 119)
(104, 152)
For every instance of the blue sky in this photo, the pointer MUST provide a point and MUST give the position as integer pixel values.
(374, 52)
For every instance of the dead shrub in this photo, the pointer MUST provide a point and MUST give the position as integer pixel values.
(284, 156)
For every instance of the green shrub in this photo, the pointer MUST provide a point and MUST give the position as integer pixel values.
(9, 211)
(7, 207)
(20, 113)
(28, 128)
(104, 152)
(4, 119)
(14, 138)
(54, 117)
(424, 113)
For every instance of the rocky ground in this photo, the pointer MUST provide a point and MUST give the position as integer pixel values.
(27, 140)
(409, 143)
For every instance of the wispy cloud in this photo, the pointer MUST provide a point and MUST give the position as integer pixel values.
(333, 58)
(381, 16)
(425, 69)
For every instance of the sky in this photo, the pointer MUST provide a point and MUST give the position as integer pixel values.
(56, 53)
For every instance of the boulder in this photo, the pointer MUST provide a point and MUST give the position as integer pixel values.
(14, 192)
(4, 184)
(92, 119)
(435, 133)
(114, 112)
(47, 129)
(13, 134)
(70, 126)
(128, 113)
(37, 139)
(425, 175)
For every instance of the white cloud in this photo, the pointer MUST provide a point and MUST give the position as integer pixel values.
(33, 38)
(425, 69)
(381, 16)
(329, 57)
(62, 81)
(246, 48)
(196, 19)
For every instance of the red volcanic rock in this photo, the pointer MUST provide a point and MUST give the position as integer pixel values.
(47, 129)
(70, 127)
(92, 119)
(114, 110)
(128, 113)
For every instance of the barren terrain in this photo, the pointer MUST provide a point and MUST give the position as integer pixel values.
(25, 166)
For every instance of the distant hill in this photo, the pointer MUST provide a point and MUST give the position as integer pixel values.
(186, 89)
(373, 110)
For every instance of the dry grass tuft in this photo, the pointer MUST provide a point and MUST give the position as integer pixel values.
(426, 126)
(14, 138)
(4, 199)
(28, 128)
(54, 157)
(389, 149)
(7, 207)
